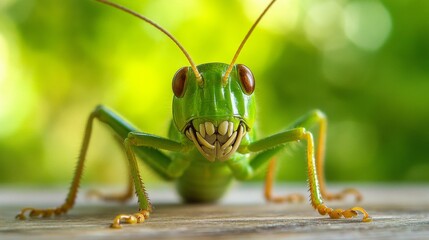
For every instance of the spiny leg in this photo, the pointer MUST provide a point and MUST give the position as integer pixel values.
(134, 142)
(115, 197)
(145, 207)
(318, 118)
(268, 191)
(148, 151)
(271, 145)
(71, 196)
(315, 194)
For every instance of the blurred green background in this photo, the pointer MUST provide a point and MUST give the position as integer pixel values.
(365, 63)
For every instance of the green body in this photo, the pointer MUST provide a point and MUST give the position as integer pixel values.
(211, 138)
(200, 180)
(215, 102)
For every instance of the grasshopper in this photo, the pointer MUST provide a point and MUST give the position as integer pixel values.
(211, 140)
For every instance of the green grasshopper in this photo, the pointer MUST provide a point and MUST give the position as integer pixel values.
(211, 140)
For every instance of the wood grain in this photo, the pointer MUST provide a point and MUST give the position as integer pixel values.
(399, 212)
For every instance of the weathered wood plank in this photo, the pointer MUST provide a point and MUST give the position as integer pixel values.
(399, 212)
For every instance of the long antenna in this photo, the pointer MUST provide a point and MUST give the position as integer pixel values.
(231, 65)
(193, 66)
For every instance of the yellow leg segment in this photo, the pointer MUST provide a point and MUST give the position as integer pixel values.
(268, 192)
(149, 146)
(315, 190)
(120, 197)
(145, 207)
(320, 157)
(116, 197)
(71, 196)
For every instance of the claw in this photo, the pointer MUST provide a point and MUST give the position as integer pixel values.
(338, 213)
(349, 213)
(130, 219)
(20, 216)
(366, 217)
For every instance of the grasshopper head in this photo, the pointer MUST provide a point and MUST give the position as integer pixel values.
(215, 115)
(213, 103)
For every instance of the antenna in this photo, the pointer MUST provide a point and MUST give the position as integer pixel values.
(231, 65)
(193, 66)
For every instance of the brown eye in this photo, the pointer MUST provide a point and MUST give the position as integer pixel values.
(179, 80)
(246, 78)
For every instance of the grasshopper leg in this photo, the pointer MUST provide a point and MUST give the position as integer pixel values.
(145, 207)
(271, 145)
(145, 145)
(71, 196)
(318, 119)
(115, 197)
(315, 193)
(268, 191)
(130, 218)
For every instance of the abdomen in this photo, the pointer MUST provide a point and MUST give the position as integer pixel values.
(204, 181)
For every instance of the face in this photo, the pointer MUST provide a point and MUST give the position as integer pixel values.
(214, 114)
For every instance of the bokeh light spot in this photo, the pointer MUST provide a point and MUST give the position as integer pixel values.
(367, 24)
(323, 25)
(14, 107)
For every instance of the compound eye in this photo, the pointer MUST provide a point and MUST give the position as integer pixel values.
(246, 78)
(179, 81)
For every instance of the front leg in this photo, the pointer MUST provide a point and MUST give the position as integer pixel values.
(145, 145)
(269, 146)
(138, 139)
(317, 119)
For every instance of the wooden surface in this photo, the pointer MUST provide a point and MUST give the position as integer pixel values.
(399, 212)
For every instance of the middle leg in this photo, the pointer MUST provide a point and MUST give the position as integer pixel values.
(268, 190)
(115, 197)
